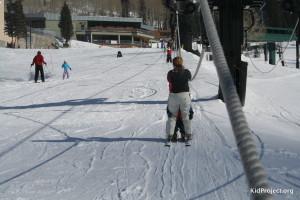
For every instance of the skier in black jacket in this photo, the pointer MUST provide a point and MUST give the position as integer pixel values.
(179, 98)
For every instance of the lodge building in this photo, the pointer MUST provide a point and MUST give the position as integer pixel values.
(121, 31)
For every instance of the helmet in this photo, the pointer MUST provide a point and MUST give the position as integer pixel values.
(65, 61)
(39, 52)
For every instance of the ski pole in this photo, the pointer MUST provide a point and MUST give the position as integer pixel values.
(47, 71)
(29, 74)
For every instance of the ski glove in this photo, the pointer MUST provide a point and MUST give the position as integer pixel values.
(169, 113)
(31, 65)
(70, 68)
(191, 113)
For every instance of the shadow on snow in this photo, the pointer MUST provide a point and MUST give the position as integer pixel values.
(103, 139)
(97, 101)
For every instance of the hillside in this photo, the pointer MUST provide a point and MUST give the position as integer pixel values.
(100, 134)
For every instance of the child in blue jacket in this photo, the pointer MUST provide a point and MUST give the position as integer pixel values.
(66, 67)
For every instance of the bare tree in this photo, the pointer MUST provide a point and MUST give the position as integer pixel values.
(125, 8)
(142, 11)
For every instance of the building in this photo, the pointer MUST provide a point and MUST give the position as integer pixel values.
(162, 34)
(120, 31)
(3, 37)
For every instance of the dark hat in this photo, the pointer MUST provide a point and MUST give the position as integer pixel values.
(39, 52)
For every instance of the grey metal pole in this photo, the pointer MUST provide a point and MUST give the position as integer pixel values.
(30, 36)
(297, 45)
(178, 35)
(254, 171)
(26, 41)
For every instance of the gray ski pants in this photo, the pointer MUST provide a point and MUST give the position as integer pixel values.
(183, 101)
(66, 73)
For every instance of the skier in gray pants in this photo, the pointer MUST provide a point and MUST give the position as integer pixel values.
(66, 67)
(179, 98)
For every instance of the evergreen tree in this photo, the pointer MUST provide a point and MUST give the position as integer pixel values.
(15, 25)
(21, 30)
(10, 20)
(65, 23)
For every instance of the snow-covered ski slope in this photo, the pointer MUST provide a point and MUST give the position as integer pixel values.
(100, 134)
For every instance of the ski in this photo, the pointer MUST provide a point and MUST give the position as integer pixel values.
(168, 143)
(188, 143)
(175, 139)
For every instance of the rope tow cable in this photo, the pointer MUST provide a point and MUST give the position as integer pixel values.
(254, 171)
(199, 63)
(178, 35)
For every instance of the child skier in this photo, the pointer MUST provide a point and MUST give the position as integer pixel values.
(169, 55)
(66, 67)
(119, 54)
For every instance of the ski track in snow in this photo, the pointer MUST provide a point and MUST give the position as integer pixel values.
(123, 182)
(114, 66)
(44, 125)
(88, 154)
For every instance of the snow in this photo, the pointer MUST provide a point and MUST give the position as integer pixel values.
(86, 45)
(100, 134)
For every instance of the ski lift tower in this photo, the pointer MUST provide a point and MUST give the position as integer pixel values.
(180, 9)
(231, 36)
(294, 6)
